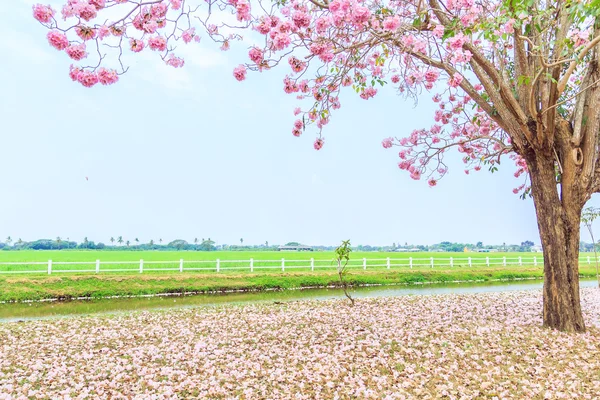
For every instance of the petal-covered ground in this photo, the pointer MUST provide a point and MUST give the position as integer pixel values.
(452, 346)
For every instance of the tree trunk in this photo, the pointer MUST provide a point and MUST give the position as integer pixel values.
(559, 224)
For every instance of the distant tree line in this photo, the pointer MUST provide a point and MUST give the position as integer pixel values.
(120, 243)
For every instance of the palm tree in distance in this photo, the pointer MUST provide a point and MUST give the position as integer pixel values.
(8, 240)
(241, 241)
(112, 240)
(267, 243)
(195, 240)
(160, 240)
(127, 243)
(151, 242)
(58, 241)
(120, 240)
(137, 241)
(19, 241)
(85, 241)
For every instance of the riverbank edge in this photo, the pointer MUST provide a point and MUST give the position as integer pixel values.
(66, 288)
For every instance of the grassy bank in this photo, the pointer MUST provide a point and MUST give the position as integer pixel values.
(20, 288)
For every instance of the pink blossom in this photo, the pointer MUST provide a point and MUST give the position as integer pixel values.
(87, 78)
(432, 75)
(301, 19)
(432, 182)
(159, 10)
(76, 51)
(175, 62)
(149, 26)
(297, 110)
(98, 4)
(455, 80)
(74, 72)
(438, 31)
(243, 10)
(391, 23)
(368, 93)
(318, 145)
(297, 65)
(457, 42)
(86, 11)
(175, 4)
(85, 33)
(321, 24)
(157, 43)
(395, 78)
(136, 45)
(188, 35)
(256, 55)
(281, 41)
(240, 73)
(225, 45)
(103, 32)
(57, 39)
(296, 132)
(387, 143)
(107, 76)
(360, 15)
(43, 13)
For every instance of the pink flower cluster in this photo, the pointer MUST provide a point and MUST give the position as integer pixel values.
(174, 61)
(190, 34)
(84, 9)
(58, 40)
(239, 73)
(150, 19)
(158, 43)
(243, 9)
(90, 78)
(43, 13)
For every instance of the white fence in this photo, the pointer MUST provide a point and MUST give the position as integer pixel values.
(253, 265)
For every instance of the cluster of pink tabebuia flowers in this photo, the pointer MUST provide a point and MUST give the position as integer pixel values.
(360, 45)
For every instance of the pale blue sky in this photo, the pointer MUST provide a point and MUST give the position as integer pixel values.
(193, 153)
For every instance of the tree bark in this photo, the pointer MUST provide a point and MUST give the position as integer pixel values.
(559, 226)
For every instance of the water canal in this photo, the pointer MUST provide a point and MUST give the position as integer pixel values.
(11, 312)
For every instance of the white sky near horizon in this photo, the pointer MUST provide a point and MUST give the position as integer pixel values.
(186, 153)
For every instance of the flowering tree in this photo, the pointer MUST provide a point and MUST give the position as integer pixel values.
(512, 78)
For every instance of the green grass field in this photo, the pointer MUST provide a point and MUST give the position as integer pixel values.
(159, 276)
(168, 261)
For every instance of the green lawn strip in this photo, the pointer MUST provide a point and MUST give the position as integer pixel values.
(39, 287)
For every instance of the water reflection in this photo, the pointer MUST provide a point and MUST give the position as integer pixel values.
(43, 310)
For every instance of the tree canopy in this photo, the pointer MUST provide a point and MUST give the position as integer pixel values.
(512, 78)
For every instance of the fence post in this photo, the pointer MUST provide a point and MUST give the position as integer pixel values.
(252, 265)
(312, 264)
(588, 259)
(451, 262)
(535, 261)
(283, 265)
(410, 262)
(431, 259)
(141, 266)
(487, 261)
(49, 267)
(364, 263)
(470, 264)
(181, 265)
(520, 261)
(218, 265)
(97, 266)
(388, 263)
(504, 261)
